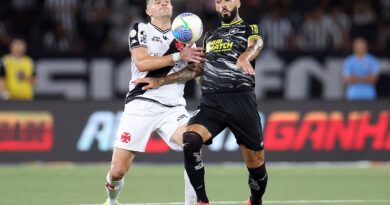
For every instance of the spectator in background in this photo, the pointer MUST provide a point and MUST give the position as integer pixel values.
(364, 21)
(251, 10)
(343, 23)
(59, 39)
(278, 30)
(385, 9)
(22, 23)
(17, 76)
(319, 32)
(361, 72)
(95, 24)
(123, 16)
(4, 37)
(384, 36)
(384, 26)
(62, 19)
(63, 12)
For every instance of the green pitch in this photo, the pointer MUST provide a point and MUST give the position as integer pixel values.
(84, 184)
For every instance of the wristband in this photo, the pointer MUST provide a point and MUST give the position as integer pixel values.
(176, 57)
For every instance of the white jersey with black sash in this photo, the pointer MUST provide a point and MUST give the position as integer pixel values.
(158, 43)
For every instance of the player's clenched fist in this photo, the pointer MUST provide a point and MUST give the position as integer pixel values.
(194, 55)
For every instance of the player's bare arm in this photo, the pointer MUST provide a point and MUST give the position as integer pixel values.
(255, 45)
(188, 73)
(353, 79)
(145, 62)
(3, 92)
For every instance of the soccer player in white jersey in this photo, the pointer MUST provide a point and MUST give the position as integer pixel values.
(155, 53)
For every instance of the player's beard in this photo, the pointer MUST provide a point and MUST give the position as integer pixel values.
(226, 18)
(166, 15)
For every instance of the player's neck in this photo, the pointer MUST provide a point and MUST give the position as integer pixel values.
(16, 56)
(236, 19)
(162, 23)
(360, 55)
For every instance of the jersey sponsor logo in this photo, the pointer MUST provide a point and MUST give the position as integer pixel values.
(134, 42)
(156, 39)
(183, 116)
(26, 131)
(196, 112)
(125, 137)
(233, 31)
(133, 33)
(143, 38)
(219, 45)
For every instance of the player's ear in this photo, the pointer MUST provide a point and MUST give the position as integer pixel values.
(238, 3)
(148, 12)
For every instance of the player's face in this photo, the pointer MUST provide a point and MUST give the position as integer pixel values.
(227, 9)
(159, 9)
(360, 46)
(18, 47)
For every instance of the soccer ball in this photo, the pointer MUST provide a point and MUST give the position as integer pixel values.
(187, 28)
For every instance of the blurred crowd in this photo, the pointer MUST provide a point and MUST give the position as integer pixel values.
(101, 26)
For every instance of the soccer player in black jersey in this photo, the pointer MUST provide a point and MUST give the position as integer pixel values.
(228, 98)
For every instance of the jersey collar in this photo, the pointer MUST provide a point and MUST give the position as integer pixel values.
(159, 29)
(238, 21)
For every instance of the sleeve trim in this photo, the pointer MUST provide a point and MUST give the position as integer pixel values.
(139, 46)
(255, 36)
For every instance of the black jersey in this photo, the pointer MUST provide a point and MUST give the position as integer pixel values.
(223, 47)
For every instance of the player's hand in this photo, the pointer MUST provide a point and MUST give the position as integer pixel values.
(4, 95)
(150, 83)
(244, 64)
(194, 55)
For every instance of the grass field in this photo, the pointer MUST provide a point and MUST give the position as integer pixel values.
(67, 184)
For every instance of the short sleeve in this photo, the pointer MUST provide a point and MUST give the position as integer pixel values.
(374, 66)
(347, 70)
(137, 36)
(254, 31)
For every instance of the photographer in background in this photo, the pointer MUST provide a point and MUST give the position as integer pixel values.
(17, 75)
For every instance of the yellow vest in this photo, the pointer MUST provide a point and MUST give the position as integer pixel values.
(18, 87)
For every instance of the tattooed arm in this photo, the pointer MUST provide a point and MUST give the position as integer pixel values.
(255, 44)
(189, 72)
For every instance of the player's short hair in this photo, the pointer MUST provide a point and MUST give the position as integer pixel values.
(147, 2)
(18, 39)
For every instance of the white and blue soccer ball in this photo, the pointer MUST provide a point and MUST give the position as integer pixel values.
(187, 28)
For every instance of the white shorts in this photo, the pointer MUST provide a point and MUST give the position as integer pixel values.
(140, 118)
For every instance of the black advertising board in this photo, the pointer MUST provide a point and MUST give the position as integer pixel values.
(296, 131)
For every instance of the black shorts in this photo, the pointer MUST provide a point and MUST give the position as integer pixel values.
(237, 111)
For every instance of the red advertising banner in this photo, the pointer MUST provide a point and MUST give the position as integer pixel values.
(291, 130)
(26, 131)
